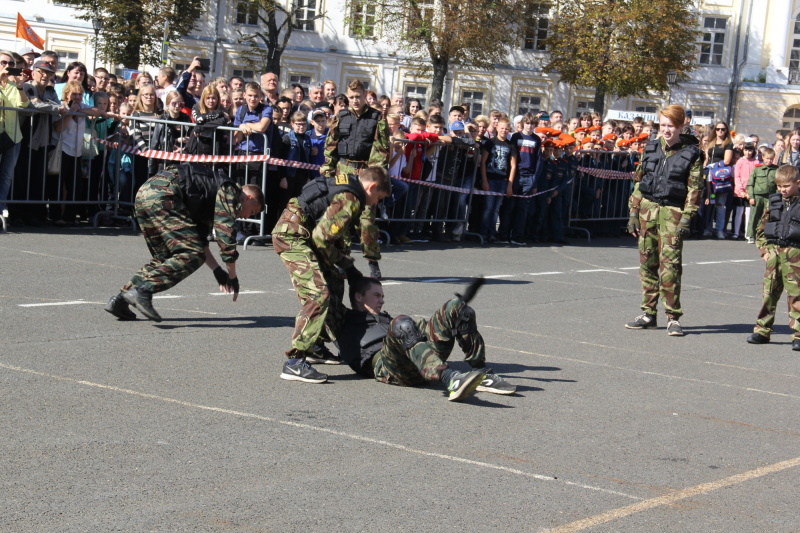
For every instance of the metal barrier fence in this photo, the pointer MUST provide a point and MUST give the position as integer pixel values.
(98, 174)
(601, 188)
(434, 194)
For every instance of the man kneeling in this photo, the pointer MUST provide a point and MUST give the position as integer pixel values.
(400, 351)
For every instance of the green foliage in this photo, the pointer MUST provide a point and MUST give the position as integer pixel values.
(132, 31)
(623, 47)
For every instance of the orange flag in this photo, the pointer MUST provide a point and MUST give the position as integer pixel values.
(24, 31)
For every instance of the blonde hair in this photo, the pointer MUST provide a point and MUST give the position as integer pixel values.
(210, 90)
(71, 87)
(138, 105)
(786, 173)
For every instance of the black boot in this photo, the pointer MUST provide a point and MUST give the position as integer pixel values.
(118, 307)
(143, 300)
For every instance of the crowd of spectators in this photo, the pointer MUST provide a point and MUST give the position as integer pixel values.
(533, 162)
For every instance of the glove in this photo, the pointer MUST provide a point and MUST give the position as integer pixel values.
(353, 274)
(374, 270)
(634, 224)
(221, 276)
(684, 227)
(233, 283)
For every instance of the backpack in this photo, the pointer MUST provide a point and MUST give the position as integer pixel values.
(721, 177)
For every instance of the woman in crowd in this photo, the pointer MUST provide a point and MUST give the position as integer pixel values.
(371, 98)
(791, 154)
(11, 95)
(719, 147)
(170, 137)
(412, 108)
(76, 71)
(142, 131)
(208, 115)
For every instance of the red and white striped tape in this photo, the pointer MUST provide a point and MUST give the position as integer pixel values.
(478, 192)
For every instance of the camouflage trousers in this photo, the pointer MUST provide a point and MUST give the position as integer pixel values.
(174, 242)
(782, 272)
(756, 211)
(660, 258)
(426, 361)
(318, 285)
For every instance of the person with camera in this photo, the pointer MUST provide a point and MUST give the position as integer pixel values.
(11, 95)
(192, 81)
(667, 193)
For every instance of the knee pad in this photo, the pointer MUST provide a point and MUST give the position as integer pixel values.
(466, 321)
(406, 330)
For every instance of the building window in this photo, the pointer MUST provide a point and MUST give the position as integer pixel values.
(247, 12)
(529, 104)
(362, 23)
(418, 92)
(420, 19)
(584, 106)
(794, 56)
(791, 119)
(180, 67)
(301, 79)
(704, 113)
(304, 14)
(538, 25)
(713, 43)
(246, 75)
(475, 101)
(645, 108)
(65, 58)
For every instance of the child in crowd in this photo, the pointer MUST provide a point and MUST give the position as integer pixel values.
(778, 241)
(497, 175)
(253, 119)
(741, 174)
(526, 147)
(759, 187)
(317, 135)
(237, 97)
(297, 147)
(434, 130)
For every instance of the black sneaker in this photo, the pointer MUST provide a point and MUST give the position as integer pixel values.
(496, 385)
(142, 300)
(463, 384)
(796, 345)
(323, 356)
(302, 371)
(757, 338)
(674, 328)
(643, 321)
(118, 307)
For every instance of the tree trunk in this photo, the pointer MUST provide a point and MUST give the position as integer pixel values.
(440, 66)
(600, 100)
(273, 63)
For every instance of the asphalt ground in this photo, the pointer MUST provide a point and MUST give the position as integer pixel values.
(185, 425)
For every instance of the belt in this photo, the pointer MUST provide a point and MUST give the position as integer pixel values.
(354, 163)
(661, 202)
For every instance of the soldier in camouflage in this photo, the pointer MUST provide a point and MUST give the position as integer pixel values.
(358, 138)
(778, 241)
(400, 351)
(176, 210)
(666, 195)
(310, 240)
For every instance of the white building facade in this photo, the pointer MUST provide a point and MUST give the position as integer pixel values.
(749, 60)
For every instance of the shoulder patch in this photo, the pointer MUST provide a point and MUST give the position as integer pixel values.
(341, 179)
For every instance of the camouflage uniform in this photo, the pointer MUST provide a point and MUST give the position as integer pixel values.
(660, 242)
(426, 361)
(334, 164)
(175, 240)
(760, 185)
(311, 251)
(782, 272)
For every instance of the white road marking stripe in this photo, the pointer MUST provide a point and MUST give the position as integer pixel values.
(669, 499)
(385, 283)
(542, 273)
(240, 293)
(709, 262)
(166, 297)
(742, 260)
(329, 431)
(628, 268)
(496, 276)
(75, 302)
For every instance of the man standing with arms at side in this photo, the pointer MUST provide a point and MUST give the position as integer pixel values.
(358, 138)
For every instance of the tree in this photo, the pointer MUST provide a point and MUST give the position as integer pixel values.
(275, 22)
(133, 31)
(623, 47)
(440, 33)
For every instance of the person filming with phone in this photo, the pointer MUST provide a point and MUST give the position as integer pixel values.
(11, 95)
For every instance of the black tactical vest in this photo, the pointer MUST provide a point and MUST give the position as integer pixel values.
(318, 194)
(199, 185)
(783, 226)
(356, 134)
(665, 178)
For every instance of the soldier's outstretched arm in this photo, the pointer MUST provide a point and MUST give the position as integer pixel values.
(225, 211)
(328, 168)
(333, 225)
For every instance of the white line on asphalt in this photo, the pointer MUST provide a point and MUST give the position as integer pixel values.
(669, 499)
(742, 260)
(497, 276)
(385, 283)
(628, 268)
(542, 273)
(240, 292)
(167, 297)
(74, 302)
(709, 262)
(299, 425)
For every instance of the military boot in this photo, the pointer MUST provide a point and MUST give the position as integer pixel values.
(142, 300)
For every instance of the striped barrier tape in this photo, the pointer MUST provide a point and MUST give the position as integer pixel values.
(606, 174)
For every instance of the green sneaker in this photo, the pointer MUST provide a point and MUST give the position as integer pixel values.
(463, 384)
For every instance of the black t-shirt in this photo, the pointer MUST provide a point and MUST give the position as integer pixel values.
(498, 162)
(717, 153)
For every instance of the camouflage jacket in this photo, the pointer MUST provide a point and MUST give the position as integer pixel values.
(378, 155)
